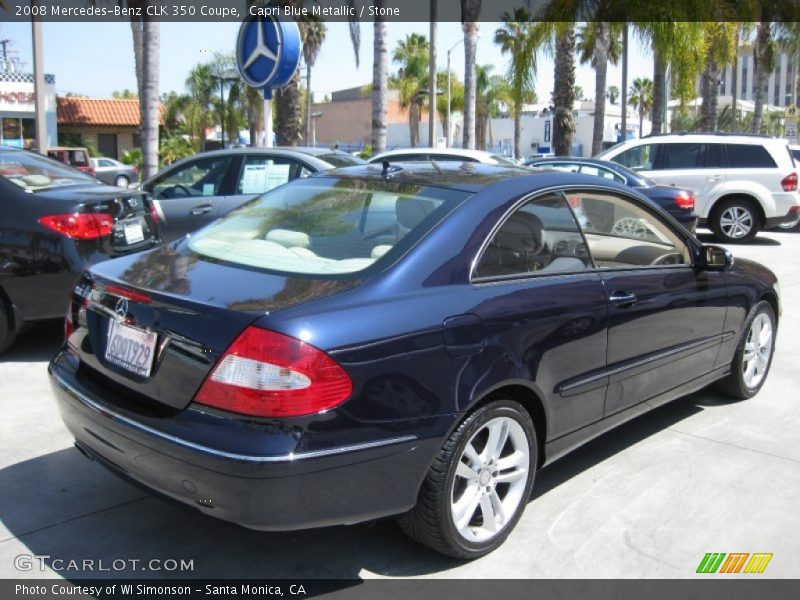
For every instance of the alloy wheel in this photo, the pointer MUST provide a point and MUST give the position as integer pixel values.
(757, 350)
(736, 222)
(490, 479)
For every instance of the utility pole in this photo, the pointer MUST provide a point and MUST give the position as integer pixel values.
(432, 77)
(38, 86)
(449, 124)
(624, 94)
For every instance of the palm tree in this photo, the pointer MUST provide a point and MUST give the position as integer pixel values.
(519, 38)
(380, 81)
(313, 31)
(599, 44)
(146, 50)
(641, 98)
(613, 94)
(201, 86)
(470, 14)
(720, 49)
(432, 82)
(411, 54)
(742, 32)
(482, 81)
(763, 63)
(564, 88)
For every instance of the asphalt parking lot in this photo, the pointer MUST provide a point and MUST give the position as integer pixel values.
(649, 499)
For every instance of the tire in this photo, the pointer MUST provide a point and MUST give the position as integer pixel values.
(431, 521)
(735, 221)
(121, 181)
(7, 333)
(737, 384)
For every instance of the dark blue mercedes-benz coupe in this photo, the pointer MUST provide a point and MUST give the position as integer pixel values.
(410, 340)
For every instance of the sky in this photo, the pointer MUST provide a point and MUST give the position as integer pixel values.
(96, 59)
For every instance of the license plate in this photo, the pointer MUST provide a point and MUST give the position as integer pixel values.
(133, 233)
(131, 348)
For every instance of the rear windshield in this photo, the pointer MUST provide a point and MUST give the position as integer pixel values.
(326, 226)
(340, 159)
(34, 172)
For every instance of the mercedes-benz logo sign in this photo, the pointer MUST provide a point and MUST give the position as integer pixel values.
(121, 309)
(259, 46)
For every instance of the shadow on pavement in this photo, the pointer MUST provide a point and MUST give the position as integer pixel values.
(39, 343)
(61, 505)
(759, 240)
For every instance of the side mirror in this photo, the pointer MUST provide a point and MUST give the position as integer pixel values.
(717, 258)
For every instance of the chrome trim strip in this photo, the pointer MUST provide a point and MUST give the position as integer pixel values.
(560, 389)
(106, 412)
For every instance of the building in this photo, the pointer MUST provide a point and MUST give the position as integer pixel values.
(780, 84)
(109, 125)
(18, 113)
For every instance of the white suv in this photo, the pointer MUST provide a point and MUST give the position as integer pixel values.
(741, 183)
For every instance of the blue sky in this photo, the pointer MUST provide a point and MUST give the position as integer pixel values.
(96, 59)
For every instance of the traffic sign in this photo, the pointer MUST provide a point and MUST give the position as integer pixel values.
(790, 117)
(268, 52)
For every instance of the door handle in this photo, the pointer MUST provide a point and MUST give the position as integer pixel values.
(714, 178)
(201, 210)
(623, 299)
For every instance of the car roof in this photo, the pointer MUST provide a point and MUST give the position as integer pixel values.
(466, 152)
(720, 137)
(467, 176)
(575, 159)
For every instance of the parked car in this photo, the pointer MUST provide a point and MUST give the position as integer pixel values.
(56, 222)
(412, 341)
(678, 202)
(441, 155)
(741, 183)
(77, 158)
(793, 225)
(113, 172)
(194, 191)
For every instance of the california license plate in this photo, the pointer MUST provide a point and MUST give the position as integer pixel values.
(131, 348)
(133, 232)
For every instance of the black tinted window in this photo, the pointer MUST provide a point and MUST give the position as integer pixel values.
(340, 159)
(541, 237)
(752, 156)
(682, 156)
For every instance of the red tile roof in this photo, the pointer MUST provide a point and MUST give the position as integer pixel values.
(97, 111)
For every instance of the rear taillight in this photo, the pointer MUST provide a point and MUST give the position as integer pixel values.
(268, 374)
(154, 212)
(685, 200)
(130, 294)
(79, 226)
(789, 183)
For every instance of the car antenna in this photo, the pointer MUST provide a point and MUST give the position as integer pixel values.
(388, 168)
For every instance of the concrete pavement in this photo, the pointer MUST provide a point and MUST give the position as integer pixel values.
(649, 499)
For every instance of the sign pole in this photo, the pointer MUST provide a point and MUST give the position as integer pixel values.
(38, 87)
(268, 133)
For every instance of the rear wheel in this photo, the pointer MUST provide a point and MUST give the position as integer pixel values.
(478, 485)
(121, 181)
(753, 356)
(735, 220)
(7, 333)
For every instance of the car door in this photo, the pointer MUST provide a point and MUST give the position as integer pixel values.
(665, 316)
(543, 310)
(191, 193)
(259, 173)
(105, 170)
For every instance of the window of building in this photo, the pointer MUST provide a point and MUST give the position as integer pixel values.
(745, 60)
(107, 144)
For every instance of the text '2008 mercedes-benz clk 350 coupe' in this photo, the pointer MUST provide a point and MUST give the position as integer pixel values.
(409, 340)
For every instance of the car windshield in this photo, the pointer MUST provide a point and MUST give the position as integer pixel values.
(34, 172)
(340, 159)
(326, 226)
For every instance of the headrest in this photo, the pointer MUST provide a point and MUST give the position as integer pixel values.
(288, 238)
(411, 211)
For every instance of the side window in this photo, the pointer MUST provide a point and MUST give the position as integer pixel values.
(409, 158)
(105, 163)
(749, 156)
(622, 234)
(202, 177)
(262, 173)
(715, 156)
(682, 156)
(601, 172)
(539, 238)
(451, 158)
(565, 167)
(638, 158)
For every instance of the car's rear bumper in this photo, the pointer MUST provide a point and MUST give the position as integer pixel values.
(791, 217)
(334, 486)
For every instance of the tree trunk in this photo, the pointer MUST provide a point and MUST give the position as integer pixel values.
(708, 112)
(760, 72)
(287, 112)
(380, 82)
(641, 122)
(149, 97)
(432, 76)
(659, 83)
(517, 129)
(480, 129)
(136, 30)
(470, 48)
(413, 121)
(564, 93)
(735, 82)
(602, 42)
(308, 105)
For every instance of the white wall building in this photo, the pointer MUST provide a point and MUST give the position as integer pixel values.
(780, 84)
(17, 111)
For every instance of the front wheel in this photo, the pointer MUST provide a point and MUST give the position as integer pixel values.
(735, 220)
(753, 356)
(479, 483)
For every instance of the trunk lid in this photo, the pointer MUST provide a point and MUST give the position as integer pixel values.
(188, 311)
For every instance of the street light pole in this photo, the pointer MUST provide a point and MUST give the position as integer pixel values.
(38, 87)
(449, 125)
